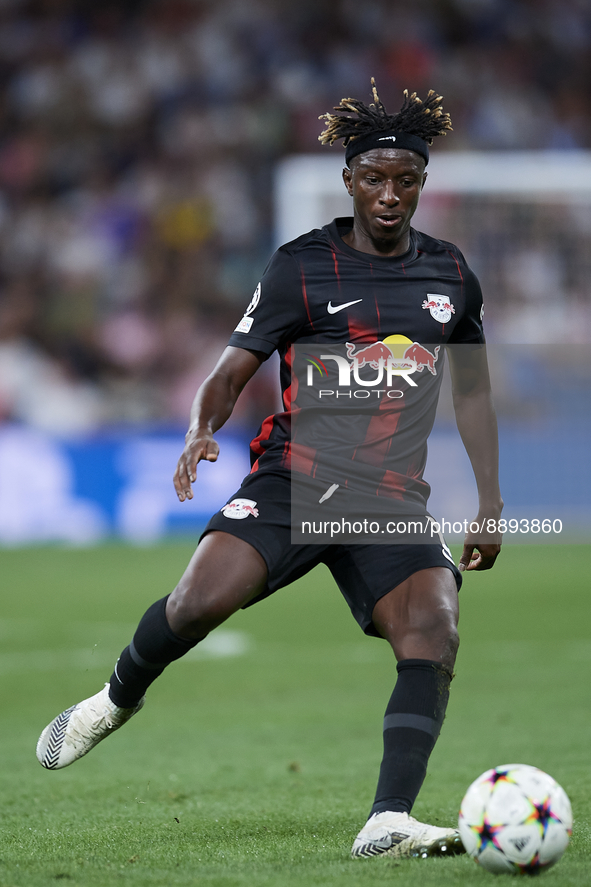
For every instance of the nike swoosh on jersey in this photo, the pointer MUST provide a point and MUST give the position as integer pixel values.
(332, 309)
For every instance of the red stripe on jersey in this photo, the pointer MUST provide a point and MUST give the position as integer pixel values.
(458, 266)
(268, 426)
(360, 333)
(357, 329)
(264, 434)
(375, 301)
(403, 268)
(414, 470)
(305, 294)
(336, 268)
(379, 435)
(392, 485)
(300, 458)
(291, 392)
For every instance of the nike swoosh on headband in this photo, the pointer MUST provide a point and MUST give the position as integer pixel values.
(332, 309)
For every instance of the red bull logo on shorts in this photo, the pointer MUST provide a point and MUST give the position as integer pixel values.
(239, 509)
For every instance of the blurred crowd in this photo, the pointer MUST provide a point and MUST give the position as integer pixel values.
(138, 140)
(532, 258)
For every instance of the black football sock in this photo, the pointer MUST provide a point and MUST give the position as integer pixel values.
(411, 726)
(153, 647)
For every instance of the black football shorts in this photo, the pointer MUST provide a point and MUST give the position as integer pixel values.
(260, 514)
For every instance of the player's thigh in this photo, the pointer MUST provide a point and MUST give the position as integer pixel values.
(419, 616)
(367, 573)
(223, 575)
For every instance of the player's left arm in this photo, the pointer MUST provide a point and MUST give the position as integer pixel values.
(477, 424)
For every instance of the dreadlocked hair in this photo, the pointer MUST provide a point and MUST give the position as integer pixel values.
(416, 117)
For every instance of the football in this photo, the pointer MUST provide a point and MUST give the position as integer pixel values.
(515, 818)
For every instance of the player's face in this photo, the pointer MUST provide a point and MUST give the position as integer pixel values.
(385, 185)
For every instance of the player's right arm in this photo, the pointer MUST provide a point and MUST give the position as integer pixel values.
(211, 408)
(274, 315)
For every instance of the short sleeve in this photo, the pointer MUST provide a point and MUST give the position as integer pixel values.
(276, 312)
(469, 330)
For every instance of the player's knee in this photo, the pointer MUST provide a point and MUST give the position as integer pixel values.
(452, 643)
(439, 632)
(194, 614)
(447, 639)
(446, 622)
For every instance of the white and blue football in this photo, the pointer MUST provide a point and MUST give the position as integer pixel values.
(515, 818)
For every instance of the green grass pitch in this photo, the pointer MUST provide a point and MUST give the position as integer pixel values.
(259, 768)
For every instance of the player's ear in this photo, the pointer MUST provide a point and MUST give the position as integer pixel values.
(425, 174)
(348, 180)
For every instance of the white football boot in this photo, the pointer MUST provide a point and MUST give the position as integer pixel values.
(398, 834)
(78, 729)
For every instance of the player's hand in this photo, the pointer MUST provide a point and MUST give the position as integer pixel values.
(478, 557)
(481, 548)
(198, 445)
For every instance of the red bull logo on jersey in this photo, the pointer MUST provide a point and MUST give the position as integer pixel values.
(414, 358)
(396, 357)
(239, 509)
(369, 355)
(440, 308)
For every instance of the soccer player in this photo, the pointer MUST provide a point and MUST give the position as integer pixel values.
(355, 283)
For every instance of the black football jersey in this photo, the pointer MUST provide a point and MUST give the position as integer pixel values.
(361, 340)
